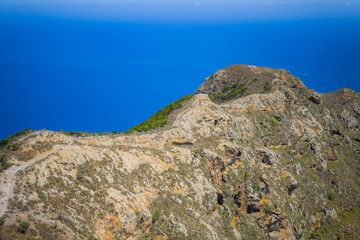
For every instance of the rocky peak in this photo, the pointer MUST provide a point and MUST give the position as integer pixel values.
(239, 80)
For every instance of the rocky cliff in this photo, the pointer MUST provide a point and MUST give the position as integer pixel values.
(253, 154)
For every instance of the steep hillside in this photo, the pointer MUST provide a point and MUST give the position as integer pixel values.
(253, 154)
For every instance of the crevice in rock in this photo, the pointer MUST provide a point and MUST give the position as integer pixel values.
(336, 132)
(266, 159)
(220, 198)
(237, 199)
(264, 186)
(183, 143)
(291, 189)
(252, 208)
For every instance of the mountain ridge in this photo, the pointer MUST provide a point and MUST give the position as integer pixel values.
(240, 159)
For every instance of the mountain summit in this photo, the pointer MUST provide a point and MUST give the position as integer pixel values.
(253, 154)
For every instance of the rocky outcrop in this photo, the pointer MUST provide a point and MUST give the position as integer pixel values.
(253, 154)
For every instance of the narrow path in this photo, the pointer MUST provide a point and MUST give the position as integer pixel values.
(8, 178)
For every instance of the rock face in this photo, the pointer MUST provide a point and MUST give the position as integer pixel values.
(253, 154)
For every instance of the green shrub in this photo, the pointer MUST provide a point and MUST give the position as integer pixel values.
(256, 186)
(15, 146)
(273, 122)
(231, 139)
(2, 221)
(237, 90)
(331, 195)
(159, 119)
(7, 140)
(290, 152)
(41, 194)
(4, 142)
(24, 226)
(5, 165)
(23, 132)
(80, 176)
(310, 236)
(267, 87)
(302, 92)
(246, 176)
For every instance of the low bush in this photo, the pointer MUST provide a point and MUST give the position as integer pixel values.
(236, 90)
(331, 195)
(159, 119)
(273, 122)
(24, 226)
(80, 176)
(267, 87)
(18, 134)
(4, 164)
(246, 176)
(41, 194)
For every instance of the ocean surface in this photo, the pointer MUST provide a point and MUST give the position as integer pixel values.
(100, 68)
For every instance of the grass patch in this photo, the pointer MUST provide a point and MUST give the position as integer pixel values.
(233, 87)
(159, 119)
(273, 122)
(267, 87)
(256, 186)
(230, 92)
(236, 90)
(246, 175)
(331, 195)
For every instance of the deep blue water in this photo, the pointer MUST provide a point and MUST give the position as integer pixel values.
(101, 68)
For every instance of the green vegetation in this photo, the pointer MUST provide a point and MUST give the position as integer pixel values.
(331, 195)
(41, 194)
(203, 167)
(80, 176)
(3, 163)
(231, 92)
(18, 134)
(2, 221)
(288, 106)
(246, 176)
(82, 170)
(267, 87)
(4, 142)
(273, 122)
(256, 186)
(14, 147)
(24, 226)
(232, 87)
(159, 119)
(310, 236)
(290, 152)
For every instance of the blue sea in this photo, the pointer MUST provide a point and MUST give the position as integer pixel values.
(108, 67)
